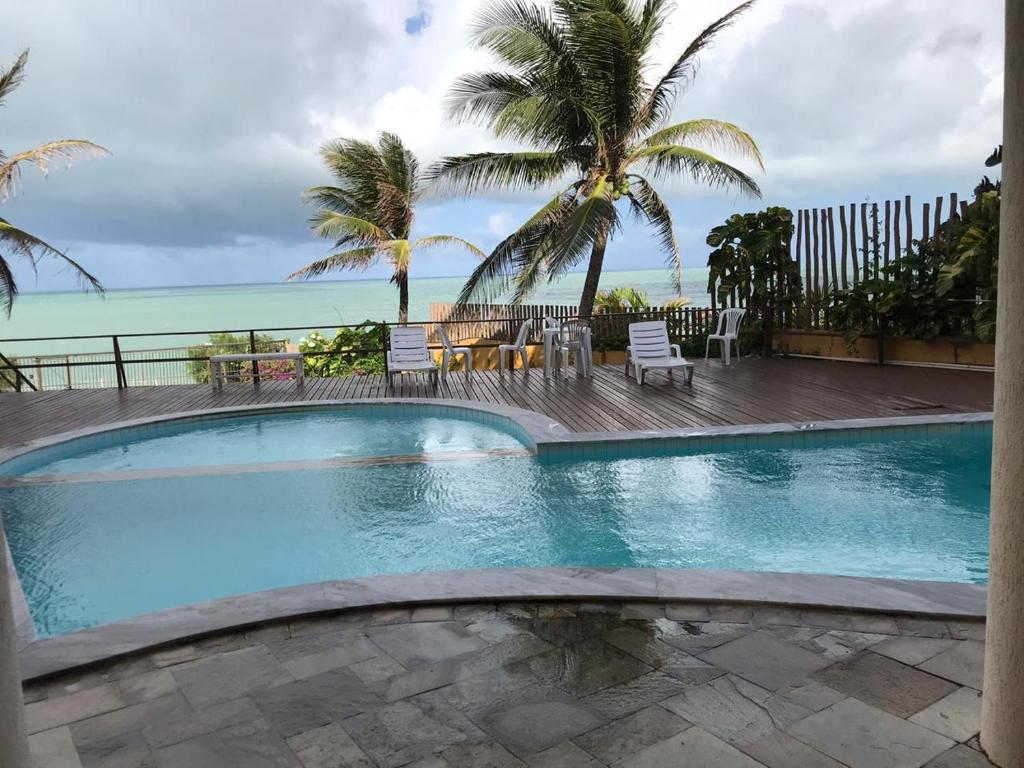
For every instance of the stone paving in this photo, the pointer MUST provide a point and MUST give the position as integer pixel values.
(549, 685)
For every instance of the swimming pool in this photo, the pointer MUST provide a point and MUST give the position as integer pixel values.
(133, 522)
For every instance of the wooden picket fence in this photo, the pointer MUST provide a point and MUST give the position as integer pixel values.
(870, 237)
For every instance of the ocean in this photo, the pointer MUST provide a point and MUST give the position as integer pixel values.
(313, 305)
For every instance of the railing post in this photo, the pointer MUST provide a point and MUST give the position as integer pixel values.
(122, 379)
(384, 349)
(255, 363)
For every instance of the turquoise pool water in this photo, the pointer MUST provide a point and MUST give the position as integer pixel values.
(91, 552)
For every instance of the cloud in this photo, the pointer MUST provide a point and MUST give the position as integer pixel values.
(499, 224)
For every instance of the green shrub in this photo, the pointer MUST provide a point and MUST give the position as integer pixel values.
(228, 344)
(352, 351)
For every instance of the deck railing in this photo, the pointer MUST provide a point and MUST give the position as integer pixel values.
(119, 367)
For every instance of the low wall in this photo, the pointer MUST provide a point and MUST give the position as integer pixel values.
(939, 351)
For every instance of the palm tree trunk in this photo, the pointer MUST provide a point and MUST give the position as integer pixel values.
(593, 274)
(403, 299)
(13, 745)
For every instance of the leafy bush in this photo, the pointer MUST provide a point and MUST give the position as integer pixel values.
(351, 351)
(229, 344)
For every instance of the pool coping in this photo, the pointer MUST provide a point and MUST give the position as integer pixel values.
(42, 657)
(50, 656)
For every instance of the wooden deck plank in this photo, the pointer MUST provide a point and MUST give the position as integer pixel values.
(750, 392)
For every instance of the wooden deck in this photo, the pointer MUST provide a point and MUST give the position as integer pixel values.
(750, 392)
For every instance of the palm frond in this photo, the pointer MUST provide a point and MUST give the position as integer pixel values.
(344, 229)
(683, 70)
(355, 258)
(400, 255)
(479, 96)
(595, 216)
(42, 156)
(11, 77)
(20, 243)
(716, 134)
(519, 32)
(648, 205)
(673, 159)
(438, 241)
(482, 170)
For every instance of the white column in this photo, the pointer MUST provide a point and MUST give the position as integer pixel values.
(1002, 720)
(13, 744)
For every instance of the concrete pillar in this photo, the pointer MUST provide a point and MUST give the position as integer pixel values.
(13, 744)
(1002, 717)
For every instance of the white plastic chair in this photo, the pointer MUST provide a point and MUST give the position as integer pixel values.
(728, 332)
(649, 347)
(517, 347)
(408, 353)
(450, 351)
(574, 337)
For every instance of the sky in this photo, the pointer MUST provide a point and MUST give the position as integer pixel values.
(214, 111)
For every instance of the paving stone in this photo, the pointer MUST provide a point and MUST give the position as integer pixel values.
(178, 655)
(777, 750)
(519, 610)
(248, 745)
(229, 675)
(473, 611)
(306, 704)
(957, 715)
(912, 650)
(171, 730)
(631, 734)
(641, 692)
(556, 611)
(417, 645)
(922, 627)
(694, 637)
(147, 686)
(377, 669)
(963, 663)
(812, 695)
(839, 644)
(586, 667)
(873, 623)
(730, 613)
(586, 627)
(884, 682)
(613, 609)
(490, 754)
(960, 756)
(268, 633)
(133, 718)
(765, 660)
(687, 612)
(429, 762)
(735, 710)
(695, 747)
(402, 732)
(311, 655)
(62, 710)
(53, 749)
(495, 627)
(431, 613)
(328, 747)
(645, 645)
(30, 694)
(768, 615)
(389, 616)
(128, 750)
(826, 619)
(642, 611)
(862, 736)
(314, 625)
(967, 630)
(565, 755)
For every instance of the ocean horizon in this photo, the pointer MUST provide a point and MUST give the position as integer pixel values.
(190, 312)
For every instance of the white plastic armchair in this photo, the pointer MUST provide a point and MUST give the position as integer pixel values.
(450, 351)
(728, 332)
(408, 353)
(649, 347)
(517, 347)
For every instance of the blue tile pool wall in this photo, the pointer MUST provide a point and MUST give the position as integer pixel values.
(616, 447)
(108, 438)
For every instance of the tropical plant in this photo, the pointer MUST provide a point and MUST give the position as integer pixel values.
(17, 242)
(352, 350)
(621, 299)
(751, 262)
(369, 214)
(576, 87)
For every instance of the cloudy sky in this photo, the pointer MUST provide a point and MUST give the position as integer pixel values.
(214, 109)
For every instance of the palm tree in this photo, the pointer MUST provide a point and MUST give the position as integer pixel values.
(18, 242)
(369, 214)
(575, 86)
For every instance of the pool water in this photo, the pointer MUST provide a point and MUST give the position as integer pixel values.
(92, 552)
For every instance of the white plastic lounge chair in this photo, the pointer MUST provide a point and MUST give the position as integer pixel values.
(517, 347)
(728, 332)
(573, 336)
(408, 353)
(649, 347)
(450, 351)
